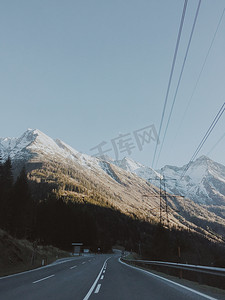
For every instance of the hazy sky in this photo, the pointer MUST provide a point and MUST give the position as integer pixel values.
(87, 71)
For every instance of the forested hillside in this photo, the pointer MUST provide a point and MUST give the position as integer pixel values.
(44, 212)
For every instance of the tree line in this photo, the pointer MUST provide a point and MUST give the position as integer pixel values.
(51, 219)
(15, 201)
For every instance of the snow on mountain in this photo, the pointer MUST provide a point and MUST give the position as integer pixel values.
(16, 147)
(204, 182)
(36, 146)
(134, 167)
(121, 182)
(23, 147)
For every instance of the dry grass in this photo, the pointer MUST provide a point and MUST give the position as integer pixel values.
(16, 255)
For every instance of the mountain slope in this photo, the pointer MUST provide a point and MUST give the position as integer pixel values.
(137, 168)
(16, 254)
(81, 178)
(204, 182)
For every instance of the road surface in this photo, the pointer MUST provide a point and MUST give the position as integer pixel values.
(99, 277)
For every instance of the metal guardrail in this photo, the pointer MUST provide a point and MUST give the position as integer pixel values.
(194, 268)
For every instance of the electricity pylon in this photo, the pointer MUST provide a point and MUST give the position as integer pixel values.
(162, 198)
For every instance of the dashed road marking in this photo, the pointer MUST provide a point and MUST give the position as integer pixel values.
(97, 288)
(83, 262)
(72, 267)
(96, 280)
(37, 269)
(102, 277)
(43, 278)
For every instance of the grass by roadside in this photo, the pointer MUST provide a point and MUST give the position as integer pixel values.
(132, 255)
(16, 255)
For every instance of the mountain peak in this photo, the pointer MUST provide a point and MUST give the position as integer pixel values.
(204, 163)
(31, 139)
(33, 143)
(132, 166)
(203, 158)
(128, 164)
(34, 132)
(33, 135)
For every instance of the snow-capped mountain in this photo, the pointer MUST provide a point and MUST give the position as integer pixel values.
(34, 145)
(134, 167)
(32, 140)
(204, 181)
(125, 184)
(49, 160)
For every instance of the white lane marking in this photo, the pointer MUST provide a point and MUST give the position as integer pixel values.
(103, 271)
(83, 262)
(43, 278)
(38, 269)
(72, 267)
(89, 260)
(102, 277)
(61, 261)
(96, 280)
(170, 281)
(97, 288)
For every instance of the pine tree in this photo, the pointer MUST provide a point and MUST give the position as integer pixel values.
(21, 219)
(1, 192)
(6, 183)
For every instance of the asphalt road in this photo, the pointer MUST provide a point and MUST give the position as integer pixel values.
(100, 277)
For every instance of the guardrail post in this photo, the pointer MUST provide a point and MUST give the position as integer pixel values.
(180, 274)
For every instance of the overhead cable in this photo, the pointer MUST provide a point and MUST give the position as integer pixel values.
(201, 71)
(213, 124)
(171, 75)
(179, 80)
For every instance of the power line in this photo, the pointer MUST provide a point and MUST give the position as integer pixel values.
(181, 73)
(213, 124)
(216, 144)
(171, 75)
(201, 71)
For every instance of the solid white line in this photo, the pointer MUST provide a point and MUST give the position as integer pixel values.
(96, 280)
(43, 279)
(170, 281)
(37, 269)
(97, 288)
(102, 277)
(72, 267)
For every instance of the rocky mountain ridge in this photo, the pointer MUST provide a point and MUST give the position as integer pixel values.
(204, 181)
(80, 177)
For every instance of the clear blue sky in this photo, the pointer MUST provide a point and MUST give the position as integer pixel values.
(87, 71)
